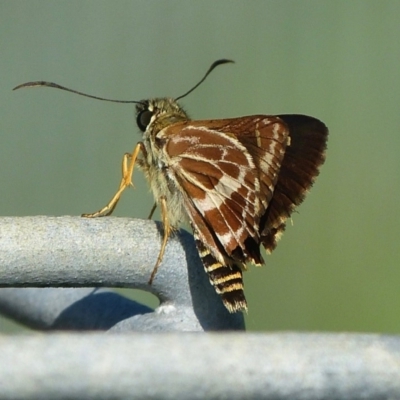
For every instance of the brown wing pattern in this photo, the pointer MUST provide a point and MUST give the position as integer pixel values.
(300, 167)
(219, 177)
(227, 170)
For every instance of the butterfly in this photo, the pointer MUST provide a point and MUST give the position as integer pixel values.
(235, 181)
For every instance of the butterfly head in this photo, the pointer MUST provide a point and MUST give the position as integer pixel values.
(156, 114)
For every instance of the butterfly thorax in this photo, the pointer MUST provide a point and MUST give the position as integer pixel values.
(160, 114)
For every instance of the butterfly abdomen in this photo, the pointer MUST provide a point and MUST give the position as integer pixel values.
(226, 279)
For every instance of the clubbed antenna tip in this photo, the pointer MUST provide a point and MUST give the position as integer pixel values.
(213, 66)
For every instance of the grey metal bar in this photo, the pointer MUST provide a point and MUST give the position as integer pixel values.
(107, 252)
(207, 366)
(69, 308)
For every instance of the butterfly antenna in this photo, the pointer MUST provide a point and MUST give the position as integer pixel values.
(213, 65)
(56, 86)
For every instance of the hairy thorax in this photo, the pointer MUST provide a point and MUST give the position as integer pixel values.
(153, 160)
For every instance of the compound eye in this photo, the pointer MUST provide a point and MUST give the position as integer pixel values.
(143, 119)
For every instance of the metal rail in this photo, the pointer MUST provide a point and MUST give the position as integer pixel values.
(199, 366)
(65, 252)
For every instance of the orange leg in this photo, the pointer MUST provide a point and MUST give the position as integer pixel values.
(128, 163)
(167, 233)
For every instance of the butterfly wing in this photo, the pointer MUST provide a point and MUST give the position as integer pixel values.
(225, 190)
(228, 177)
(299, 168)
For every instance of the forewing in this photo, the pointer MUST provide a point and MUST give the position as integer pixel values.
(218, 177)
(265, 138)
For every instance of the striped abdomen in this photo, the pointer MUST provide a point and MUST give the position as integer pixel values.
(227, 279)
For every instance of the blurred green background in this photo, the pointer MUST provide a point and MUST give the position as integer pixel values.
(337, 268)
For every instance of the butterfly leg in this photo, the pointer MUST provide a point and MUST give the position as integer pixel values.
(152, 211)
(167, 233)
(128, 163)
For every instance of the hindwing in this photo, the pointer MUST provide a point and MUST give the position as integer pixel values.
(299, 168)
